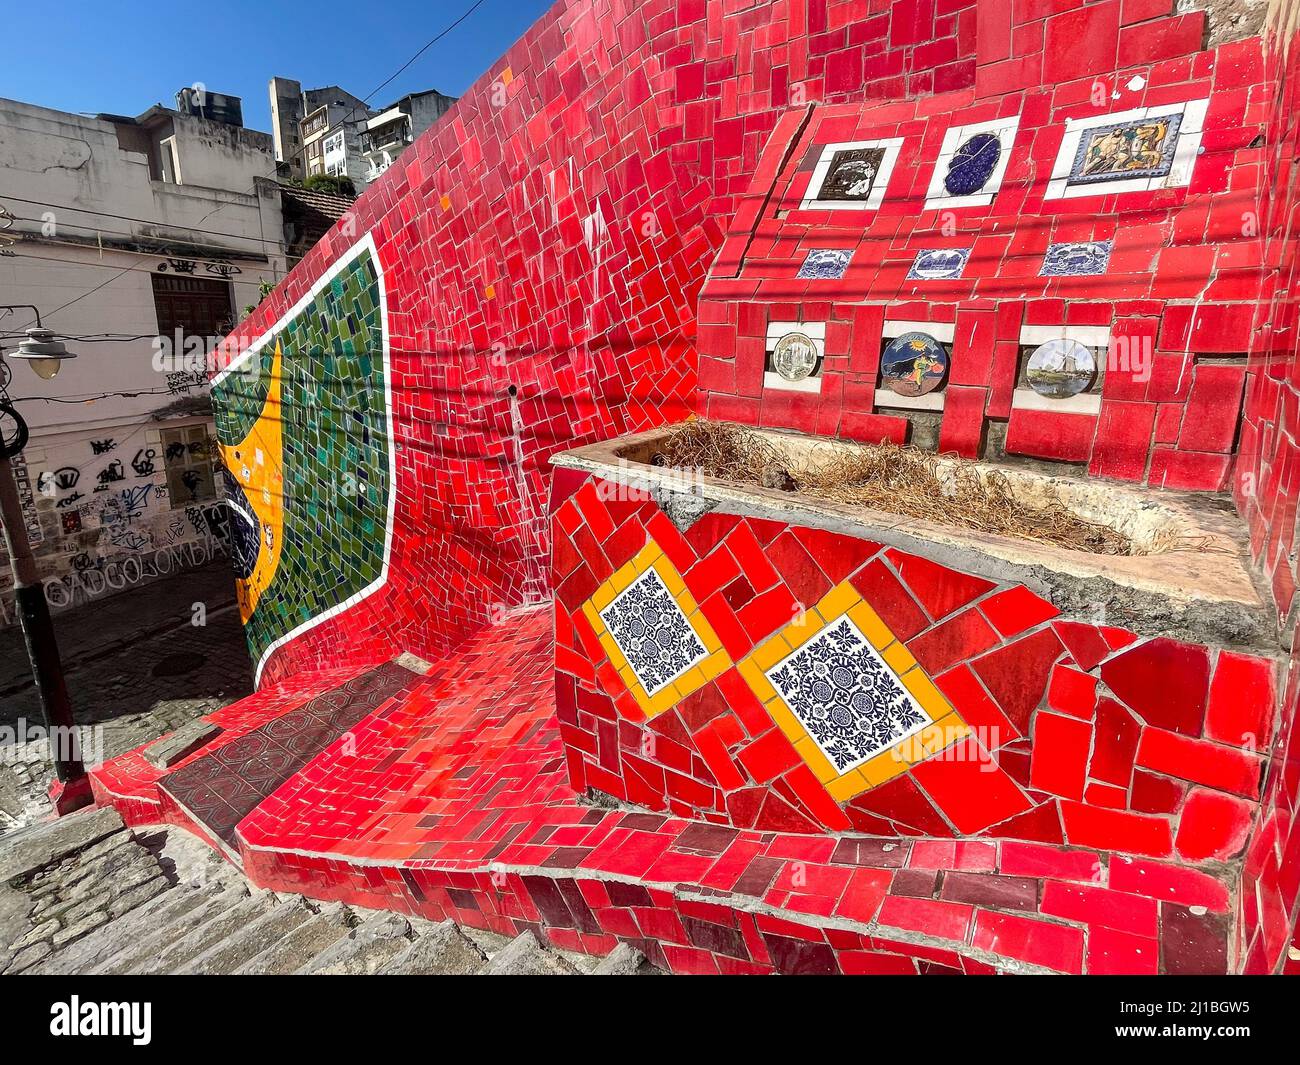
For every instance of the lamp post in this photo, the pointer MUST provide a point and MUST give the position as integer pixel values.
(44, 353)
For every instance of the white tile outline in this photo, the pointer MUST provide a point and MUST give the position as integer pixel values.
(1186, 147)
(798, 712)
(814, 331)
(938, 197)
(366, 243)
(892, 146)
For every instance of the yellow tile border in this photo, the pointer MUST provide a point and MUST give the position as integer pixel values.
(946, 725)
(716, 660)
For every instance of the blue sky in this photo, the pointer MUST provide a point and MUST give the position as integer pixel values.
(124, 56)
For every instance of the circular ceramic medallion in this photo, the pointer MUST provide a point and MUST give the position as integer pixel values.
(795, 356)
(972, 164)
(1061, 368)
(913, 364)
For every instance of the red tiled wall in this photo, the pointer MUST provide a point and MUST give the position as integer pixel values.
(1182, 281)
(1082, 734)
(551, 234)
(1267, 484)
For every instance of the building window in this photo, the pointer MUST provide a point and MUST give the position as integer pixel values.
(187, 457)
(197, 306)
(334, 143)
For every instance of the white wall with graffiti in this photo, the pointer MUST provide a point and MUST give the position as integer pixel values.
(117, 507)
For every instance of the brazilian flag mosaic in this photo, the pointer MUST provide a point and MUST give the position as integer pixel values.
(304, 435)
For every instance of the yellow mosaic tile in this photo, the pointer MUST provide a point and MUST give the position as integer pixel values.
(945, 727)
(700, 673)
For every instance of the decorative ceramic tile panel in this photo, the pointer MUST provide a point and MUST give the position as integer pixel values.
(654, 633)
(941, 264)
(972, 161)
(852, 175)
(825, 264)
(1138, 150)
(845, 697)
(1077, 259)
(849, 695)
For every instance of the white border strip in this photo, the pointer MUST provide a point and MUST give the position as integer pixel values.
(366, 243)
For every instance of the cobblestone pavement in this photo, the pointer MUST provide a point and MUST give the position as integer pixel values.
(137, 667)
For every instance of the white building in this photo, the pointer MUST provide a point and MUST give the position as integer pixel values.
(390, 131)
(330, 131)
(129, 229)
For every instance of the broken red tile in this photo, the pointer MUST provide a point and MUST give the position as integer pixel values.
(1153, 794)
(953, 641)
(1241, 701)
(1053, 946)
(893, 602)
(976, 707)
(1016, 675)
(902, 801)
(953, 854)
(862, 896)
(1056, 863)
(1115, 830)
(1200, 761)
(1213, 826)
(1060, 756)
(940, 590)
(1072, 692)
(991, 891)
(1116, 736)
(836, 555)
(1016, 609)
(1168, 883)
(1193, 943)
(1084, 642)
(1042, 824)
(1166, 682)
(943, 920)
(1112, 953)
(972, 792)
(1087, 904)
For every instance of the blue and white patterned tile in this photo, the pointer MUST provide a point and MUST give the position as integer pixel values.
(845, 696)
(654, 635)
(825, 264)
(1076, 260)
(940, 264)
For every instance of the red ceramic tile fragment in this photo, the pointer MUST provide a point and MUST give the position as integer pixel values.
(893, 602)
(1115, 740)
(1115, 830)
(1101, 906)
(1060, 758)
(955, 640)
(1017, 674)
(1085, 643)
(1052, 946)
(1164, 681)
(1016, 609)
(943, 920)
(1199, 761)
(1112, 953)
(971, 792)
(1241, 701)
(940, 590)
(1213, 826)
(1072, 692)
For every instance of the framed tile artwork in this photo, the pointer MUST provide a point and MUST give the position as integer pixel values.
(852, 175)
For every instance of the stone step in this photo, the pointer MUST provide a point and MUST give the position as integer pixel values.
(365, 950)
(229, 954)
(151, 946)
(101, 945)
(442, 950)
(526, 956)
(215, 930)
(624, 960)
(302, 945)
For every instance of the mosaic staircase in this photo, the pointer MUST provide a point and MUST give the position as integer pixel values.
(210, 922)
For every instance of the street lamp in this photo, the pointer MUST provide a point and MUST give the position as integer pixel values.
(44, 354)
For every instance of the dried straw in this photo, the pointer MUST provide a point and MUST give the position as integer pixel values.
(898, 480)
